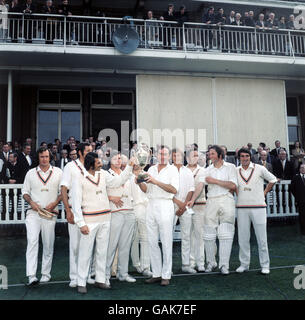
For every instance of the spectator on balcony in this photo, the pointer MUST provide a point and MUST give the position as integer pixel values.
(65, 8)
(261, 23)
(256, 157)
(271, 22)
(298, 191)
(245, 17)
(55, 156)
(275, 152)
(5, 153)
(169, 15)
(181, 16)
(209, 17)
(269, 157)
(13, 170)
(237, 21)
(227, 158)
(290, 23)
(29, 7)
(231, 18)
(52, 25)
(252, 151)
(58, 143)
(298, 155)
(73, 155)
(249, 21)
(25, 160)
(220, 18)
(152, 29)
(283, 168)
(282, 23)
(44, 144)
(64, 159)
(263, 161)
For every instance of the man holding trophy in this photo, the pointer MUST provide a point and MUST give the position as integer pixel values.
(161, 184)
(41, 190)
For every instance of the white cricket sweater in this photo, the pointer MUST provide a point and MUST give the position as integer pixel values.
(123, 191)
(43, 187)
(251, 186)
(198, 173)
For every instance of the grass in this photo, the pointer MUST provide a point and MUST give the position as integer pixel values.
(286, 249)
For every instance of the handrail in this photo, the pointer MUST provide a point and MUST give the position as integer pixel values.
(280, 203)
(144, 20)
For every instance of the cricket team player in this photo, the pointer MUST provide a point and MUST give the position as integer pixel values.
(122, 221)
(41, 190)
(140, 258)
(181, 198)
(161, 186)
(91, 208)
(72, 174)
(197, 256)
(251, 208)
(219, 216)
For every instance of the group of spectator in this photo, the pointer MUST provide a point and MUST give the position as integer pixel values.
(16, 160)
(211, 16)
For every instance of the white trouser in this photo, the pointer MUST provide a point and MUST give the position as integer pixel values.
(34, 224)
(121, 233)
(186, 227)
(159, 221)
(219, 221)
(74, 237)
(258, 217)
(197, 242)
(141, 260)
(98, 234)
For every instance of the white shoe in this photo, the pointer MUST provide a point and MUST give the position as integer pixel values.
(242, 269)
(210, 267)
(32, 281)
(224, 270)
(90, 281)
(188, 269)
(201, 268)
(265, 271)
(127, 278)
(139, 269)
(73, 284)
(45, 279)
(147, 273)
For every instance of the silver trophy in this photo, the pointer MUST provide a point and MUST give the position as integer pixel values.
(143, 156)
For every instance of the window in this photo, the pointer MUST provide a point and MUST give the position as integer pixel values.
(116, 98)
(293, 119)
(47, 126)
(59, 96)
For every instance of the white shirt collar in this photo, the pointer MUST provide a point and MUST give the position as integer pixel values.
(225, 164)
(251, 166)
(40, 170)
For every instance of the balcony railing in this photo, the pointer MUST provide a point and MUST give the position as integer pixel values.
(280, 203)
(153, 34)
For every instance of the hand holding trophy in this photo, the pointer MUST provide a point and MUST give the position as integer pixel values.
(143, 156)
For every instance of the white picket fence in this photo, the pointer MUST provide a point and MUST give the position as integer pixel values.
(280, 203)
